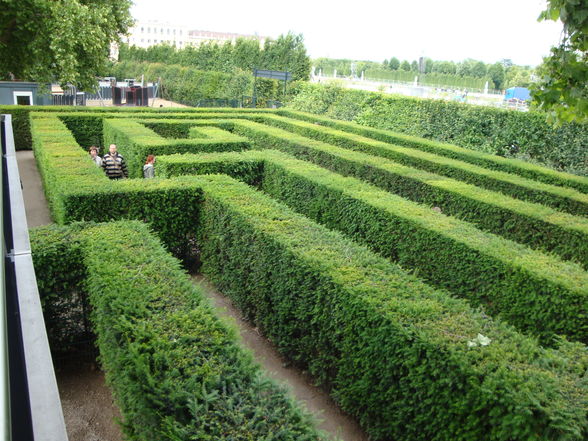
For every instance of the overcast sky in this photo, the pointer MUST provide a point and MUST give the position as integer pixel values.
(378, 30)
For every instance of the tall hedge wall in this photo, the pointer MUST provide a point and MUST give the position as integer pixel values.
(409, 361)
(177, 370)
(188, 85)
(529, 223)
(525, 135)
(510, 280)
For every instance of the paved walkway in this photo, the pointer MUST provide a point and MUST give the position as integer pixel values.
(36, 207)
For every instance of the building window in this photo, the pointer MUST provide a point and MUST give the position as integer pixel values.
(23, 98)
(174, 32)
(142, 29)
(149, 30)
(168, 32)
(148, 41)
(142, 40)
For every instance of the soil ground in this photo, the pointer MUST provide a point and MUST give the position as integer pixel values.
(87, 402)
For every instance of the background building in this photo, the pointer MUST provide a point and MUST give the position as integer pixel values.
(149, 33)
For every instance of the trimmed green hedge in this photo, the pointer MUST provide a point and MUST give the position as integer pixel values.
(494, 162)
(510, 280)
(135, 142)
(404, 358)
(566, 199)
(176, 369)
(77, 190)
(22, 129)
(532, 224)
(479, 128)
(397, 354)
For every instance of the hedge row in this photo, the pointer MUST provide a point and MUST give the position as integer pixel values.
(78, 190)
(532, 224)
(510, 280)
(177, 370)
(566, 199)
(404, 358)
(526, 135)
(494, 162)
(135, 142)
(397, 354)
(189, 86)
(22, 129)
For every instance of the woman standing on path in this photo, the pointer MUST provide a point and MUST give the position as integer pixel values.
(148, 168)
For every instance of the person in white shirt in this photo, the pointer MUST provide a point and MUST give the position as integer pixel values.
(93, 150)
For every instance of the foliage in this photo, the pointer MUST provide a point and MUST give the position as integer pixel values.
(177, 370)
(67, 41)
(191, 86)
(489, 161)
(323, 196)
(563, 88)
(286, 53)
(563, 199)
(537, 226)
(383, 342)
(526, 136)
(469, 73)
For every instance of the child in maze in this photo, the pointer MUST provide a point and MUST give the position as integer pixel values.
(148, 168)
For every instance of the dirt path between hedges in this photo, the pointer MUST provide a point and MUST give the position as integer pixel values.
(332, 420)
(86, 400)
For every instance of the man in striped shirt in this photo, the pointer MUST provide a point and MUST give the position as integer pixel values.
(114, 164)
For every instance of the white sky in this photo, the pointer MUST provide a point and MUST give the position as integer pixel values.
(378, 30)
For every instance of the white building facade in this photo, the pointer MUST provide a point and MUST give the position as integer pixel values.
(150, 33)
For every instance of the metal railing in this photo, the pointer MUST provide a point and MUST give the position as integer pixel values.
(30, 404)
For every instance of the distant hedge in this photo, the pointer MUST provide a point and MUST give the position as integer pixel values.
(177, 370)
(187, 85)
(525, 135)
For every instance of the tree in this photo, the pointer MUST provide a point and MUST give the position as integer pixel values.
(405, 66)
(478, 69)
(67, 41)
(414, 66)
(394, 63)
(563, 86)
(287, 53)
(496, 74)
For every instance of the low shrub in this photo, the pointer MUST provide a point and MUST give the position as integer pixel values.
(531, 224)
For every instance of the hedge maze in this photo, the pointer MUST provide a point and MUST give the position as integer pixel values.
(437, 293)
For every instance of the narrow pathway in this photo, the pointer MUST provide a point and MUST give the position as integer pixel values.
(36, 207)
(319, 403)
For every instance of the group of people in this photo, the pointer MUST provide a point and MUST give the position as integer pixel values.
(114, 164)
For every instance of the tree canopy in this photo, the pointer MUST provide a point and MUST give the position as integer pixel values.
(66, 41)
(563, 86)
(286, 53)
